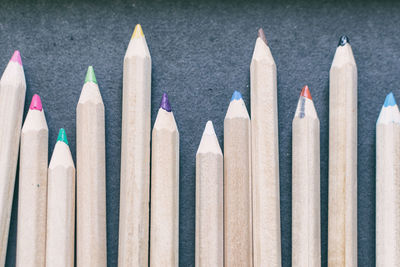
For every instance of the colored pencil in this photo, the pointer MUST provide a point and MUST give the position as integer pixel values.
(12, 99)
(164, 226)
(387, 184)
(306, 229)
(209, 201)
(135, 154)
(91, 232)
(238, 241)
(265, 156)
(342, 217)
(60, 206)
(32, 194)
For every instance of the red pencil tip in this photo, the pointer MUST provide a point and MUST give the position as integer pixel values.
(16, 57)
(36, 103)
(305, 92)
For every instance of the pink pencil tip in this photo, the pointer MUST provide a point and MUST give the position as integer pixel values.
(36, 103)
(16, 57)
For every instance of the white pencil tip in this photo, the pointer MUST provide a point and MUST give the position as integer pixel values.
(209, 130)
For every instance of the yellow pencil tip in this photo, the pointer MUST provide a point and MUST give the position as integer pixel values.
(138, 32)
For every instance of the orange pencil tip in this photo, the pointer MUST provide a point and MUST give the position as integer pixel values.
(305, 92)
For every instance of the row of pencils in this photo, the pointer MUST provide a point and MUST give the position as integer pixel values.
(237, 194)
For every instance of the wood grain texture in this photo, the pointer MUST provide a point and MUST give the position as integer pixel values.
(342, 217)
(12, 99)
(91, 232)
(238, 241)
(306, 229)
(164, 225)
(209, 201)
(32, 194)
(135, 156)
(60, 242)
(265, 157)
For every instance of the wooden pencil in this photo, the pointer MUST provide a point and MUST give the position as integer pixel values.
(32, 192)
(91, 232)
(60, 206)
(209, 201)
(12, 99)
(387, 184)
(342, 215)
(265, 156)
(135, 154)
(306, 230)
(164, 225)
(238, 243)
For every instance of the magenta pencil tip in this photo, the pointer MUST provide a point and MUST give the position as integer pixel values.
(36, 103)
(16, 57)
(165, 105)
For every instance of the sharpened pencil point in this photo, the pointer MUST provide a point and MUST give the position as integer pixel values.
(62, 136)
(305, 92)
(209, 128)
(343, 40)
(36, 103)
(236, 96)
(138, 32)
(90, 77)
(261, 35)
(16, 57)
(165, 105)
(389, 100)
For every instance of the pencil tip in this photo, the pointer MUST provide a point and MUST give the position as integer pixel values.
(305, 92)
(209, 128)
(343, 40)
(62, 136)
(138, 32)
(389, 100)
(16, 57)
(236, 96)
(261, 35)
(90, 77)
(165, 105)
(36, 103)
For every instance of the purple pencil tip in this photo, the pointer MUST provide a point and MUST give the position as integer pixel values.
(165, 105)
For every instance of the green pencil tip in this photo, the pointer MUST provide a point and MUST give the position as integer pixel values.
(62, 136)
(90, 77)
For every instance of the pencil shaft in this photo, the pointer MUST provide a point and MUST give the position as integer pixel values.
(265, 157)
(91, 179)
(32, 196)
(135, 156)
(12, 98)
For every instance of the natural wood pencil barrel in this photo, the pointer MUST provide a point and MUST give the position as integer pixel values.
(61, 206)
(91, 231)
(265, 156)
(237, 185)
(135, 154)
(209, 201)
(32, 195)
(342, 222)
(12, 99)
(306, 229)
(388, 185)
(164, 226)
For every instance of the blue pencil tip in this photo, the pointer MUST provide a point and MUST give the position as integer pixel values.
(389, 101)
(165, 105)
(236, 96)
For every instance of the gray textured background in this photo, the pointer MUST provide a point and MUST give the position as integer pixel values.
(201, 54)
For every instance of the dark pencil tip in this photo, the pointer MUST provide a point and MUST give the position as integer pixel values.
(165, 105)
(261, 34)
(343, 40)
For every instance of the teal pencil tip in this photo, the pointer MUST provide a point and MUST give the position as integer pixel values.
(62, 136)
(389, 101)
(236, 96)
(90, 77)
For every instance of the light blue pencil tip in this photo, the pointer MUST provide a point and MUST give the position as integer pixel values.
(236, 96)
(389, 101)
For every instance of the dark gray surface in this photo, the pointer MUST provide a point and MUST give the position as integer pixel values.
(201, 54)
